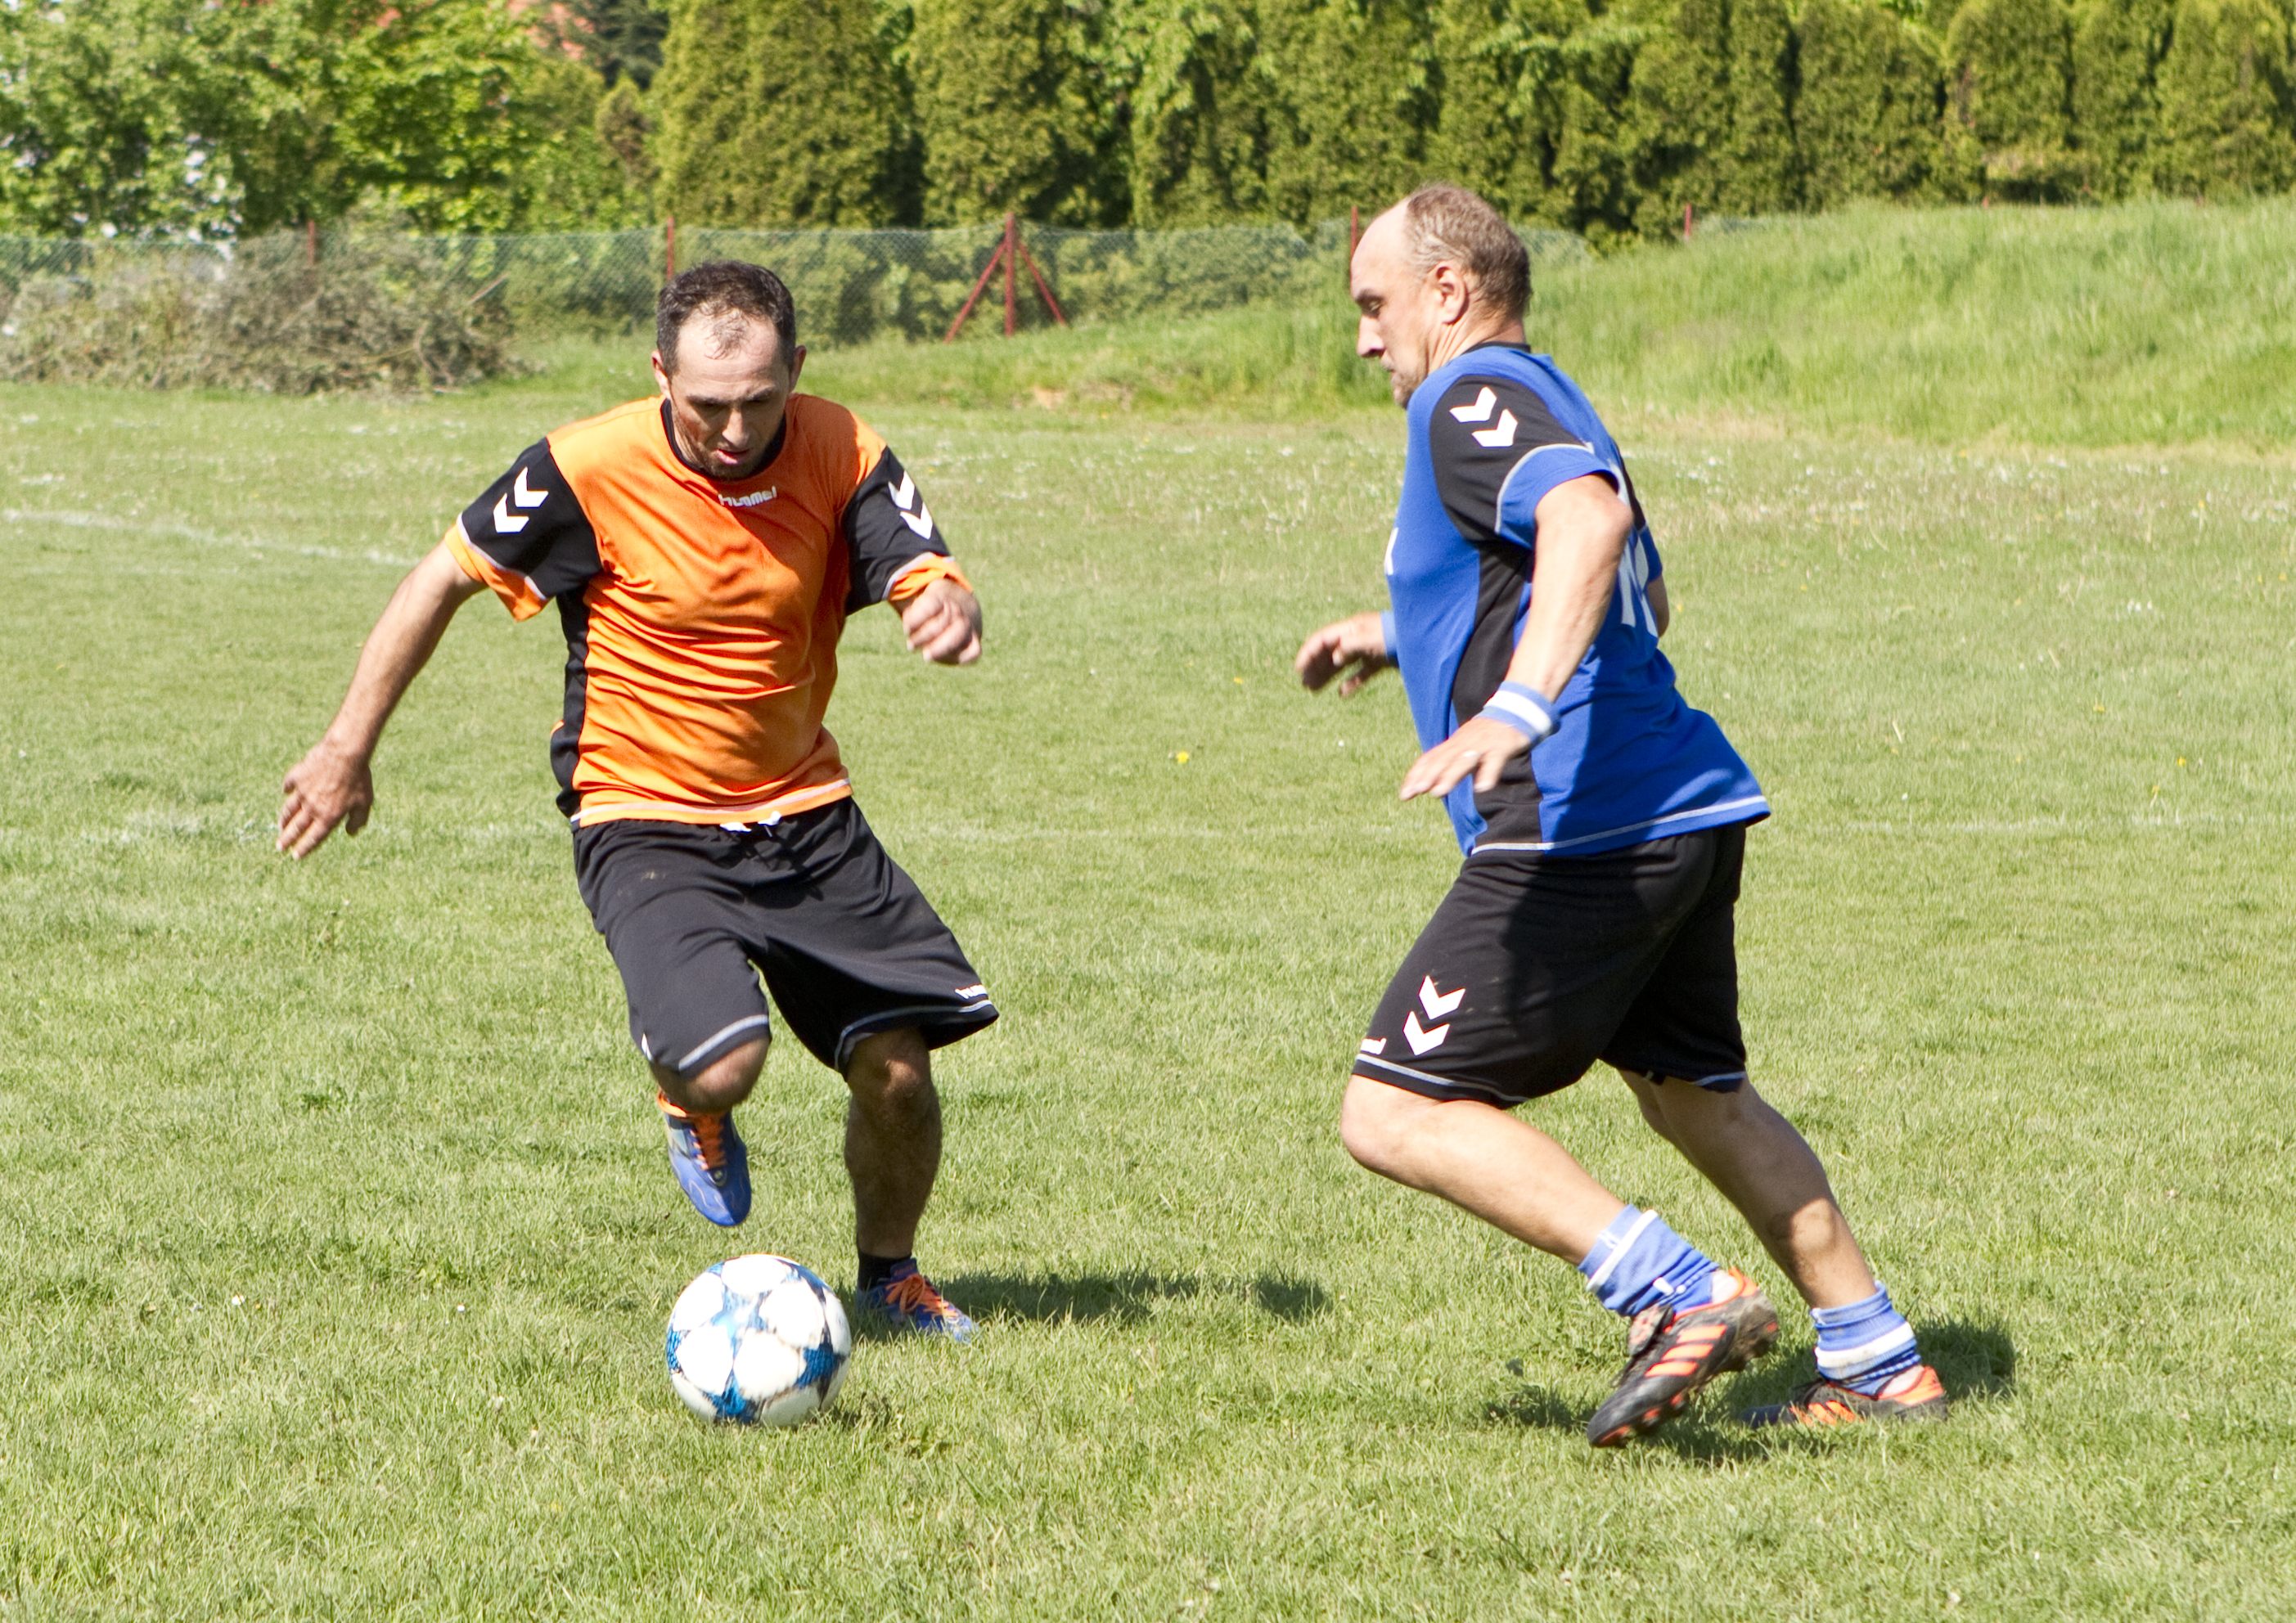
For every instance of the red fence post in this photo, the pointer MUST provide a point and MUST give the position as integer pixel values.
(1689, 222)
(669, 247)
(311, 242)
(1011, 311)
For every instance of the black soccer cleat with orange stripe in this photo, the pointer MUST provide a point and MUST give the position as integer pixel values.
(1917, 1394)
(1670, 1355)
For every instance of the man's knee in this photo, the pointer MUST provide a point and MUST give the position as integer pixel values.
(1649, 1096)
(1377, 1123)
(891, 1075)
(719, 1086)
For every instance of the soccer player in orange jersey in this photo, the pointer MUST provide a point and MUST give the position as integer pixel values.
(704, 548)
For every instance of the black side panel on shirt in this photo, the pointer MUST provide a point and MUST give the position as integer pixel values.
(887, 524)
(529, 521)
(1481, 431)
(566, 743)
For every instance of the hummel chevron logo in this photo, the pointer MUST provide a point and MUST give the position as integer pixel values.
(1420, 1037)
(904, 497)
(1478, 410)
(1499, 435)
(1439, 1004)
(525, 496)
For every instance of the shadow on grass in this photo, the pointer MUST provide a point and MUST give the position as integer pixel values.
(1125, 1297)
(1976, 1361)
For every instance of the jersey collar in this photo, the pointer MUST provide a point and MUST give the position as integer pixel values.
(773, 452)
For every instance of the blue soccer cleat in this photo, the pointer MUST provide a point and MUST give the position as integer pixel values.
(908, 1301)
(711, 1162)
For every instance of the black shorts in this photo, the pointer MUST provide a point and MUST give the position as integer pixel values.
(850, 947)
(1535, 966)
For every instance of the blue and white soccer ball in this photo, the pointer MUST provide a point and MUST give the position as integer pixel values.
(759, 1341)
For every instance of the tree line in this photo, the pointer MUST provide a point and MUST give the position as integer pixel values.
(1605, 117)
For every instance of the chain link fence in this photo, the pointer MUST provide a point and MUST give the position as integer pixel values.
(850, 286)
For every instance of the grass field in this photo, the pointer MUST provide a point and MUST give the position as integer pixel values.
(336, 1240)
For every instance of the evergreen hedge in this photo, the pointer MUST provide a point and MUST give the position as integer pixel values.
(1608, 118)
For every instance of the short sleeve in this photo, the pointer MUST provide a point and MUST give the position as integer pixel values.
(527, 539)
(895, 545)
(1497, 449)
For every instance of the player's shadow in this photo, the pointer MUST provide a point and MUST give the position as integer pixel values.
(1976, 1361)
(1124, 1298)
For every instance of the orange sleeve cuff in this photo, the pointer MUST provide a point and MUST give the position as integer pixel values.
(920, 572)
(518, 594)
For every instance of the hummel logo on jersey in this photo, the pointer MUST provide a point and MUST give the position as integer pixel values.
(1420, 1037)
(1479, 409)
(904, 497)
(525, 496)
(1499, 435)
(1439, 1004)
(754, 499)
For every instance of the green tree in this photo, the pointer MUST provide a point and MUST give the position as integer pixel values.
(2225, 105)
(776, 112)
(1357, 99)
(2117, 50)
(1758, 169)
(1007, 114)
(569, 178)
(1678, 113)
(1868, 119)
(2009, 91)
(178, 117)
(615, 39)
(1499, 73)
(1200, 111)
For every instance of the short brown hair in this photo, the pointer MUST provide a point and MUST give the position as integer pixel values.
(1446, 224)
(729, 294)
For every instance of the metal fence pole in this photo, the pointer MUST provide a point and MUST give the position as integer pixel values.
(1012, 310)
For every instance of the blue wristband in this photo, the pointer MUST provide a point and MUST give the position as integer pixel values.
(1387, 634)
(1523, 708)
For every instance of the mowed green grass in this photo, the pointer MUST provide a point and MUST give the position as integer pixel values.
(336, 1241)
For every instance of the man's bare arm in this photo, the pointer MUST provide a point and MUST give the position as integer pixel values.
(331, 786)
(1583, 527)
(1662, 614)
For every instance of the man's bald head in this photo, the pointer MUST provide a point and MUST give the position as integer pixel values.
(1434, 275)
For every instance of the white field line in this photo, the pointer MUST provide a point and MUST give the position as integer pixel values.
(110, 523)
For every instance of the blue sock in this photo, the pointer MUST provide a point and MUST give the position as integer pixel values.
(1638, 1262)
(1865, 1345)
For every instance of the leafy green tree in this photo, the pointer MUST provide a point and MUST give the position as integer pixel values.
(1499, 70)
(569, 178)
(1677, 111)
(1357, 98)
(776, 112)
(1868, 119)
(615, 39)
(1758, 168)
(2009, 94)
(625, 130)
(1007, 113)
(2117, 50)
(2225, 104)
(1201, 107)
(176, 117)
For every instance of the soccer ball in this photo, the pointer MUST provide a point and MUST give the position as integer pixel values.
(759, 1341)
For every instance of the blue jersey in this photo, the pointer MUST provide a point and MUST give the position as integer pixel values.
(1491, 433)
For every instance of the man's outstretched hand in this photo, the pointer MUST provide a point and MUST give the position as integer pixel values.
(943, 623)
(1354, 647)
(326, 789)
(1480, 746)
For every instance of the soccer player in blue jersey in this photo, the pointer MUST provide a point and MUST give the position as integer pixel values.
(1605, 824)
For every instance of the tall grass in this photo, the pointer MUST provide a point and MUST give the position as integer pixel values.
(2154, 324)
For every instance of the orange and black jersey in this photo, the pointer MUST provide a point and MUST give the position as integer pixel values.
(702, 615)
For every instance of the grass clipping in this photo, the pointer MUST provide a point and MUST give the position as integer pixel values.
(371, 311)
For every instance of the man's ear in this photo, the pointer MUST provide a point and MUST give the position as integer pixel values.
(797, 364)
(1454, 295)
(660, 375)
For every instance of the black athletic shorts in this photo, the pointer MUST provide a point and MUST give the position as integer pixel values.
(1535, 966)
(850, 947)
